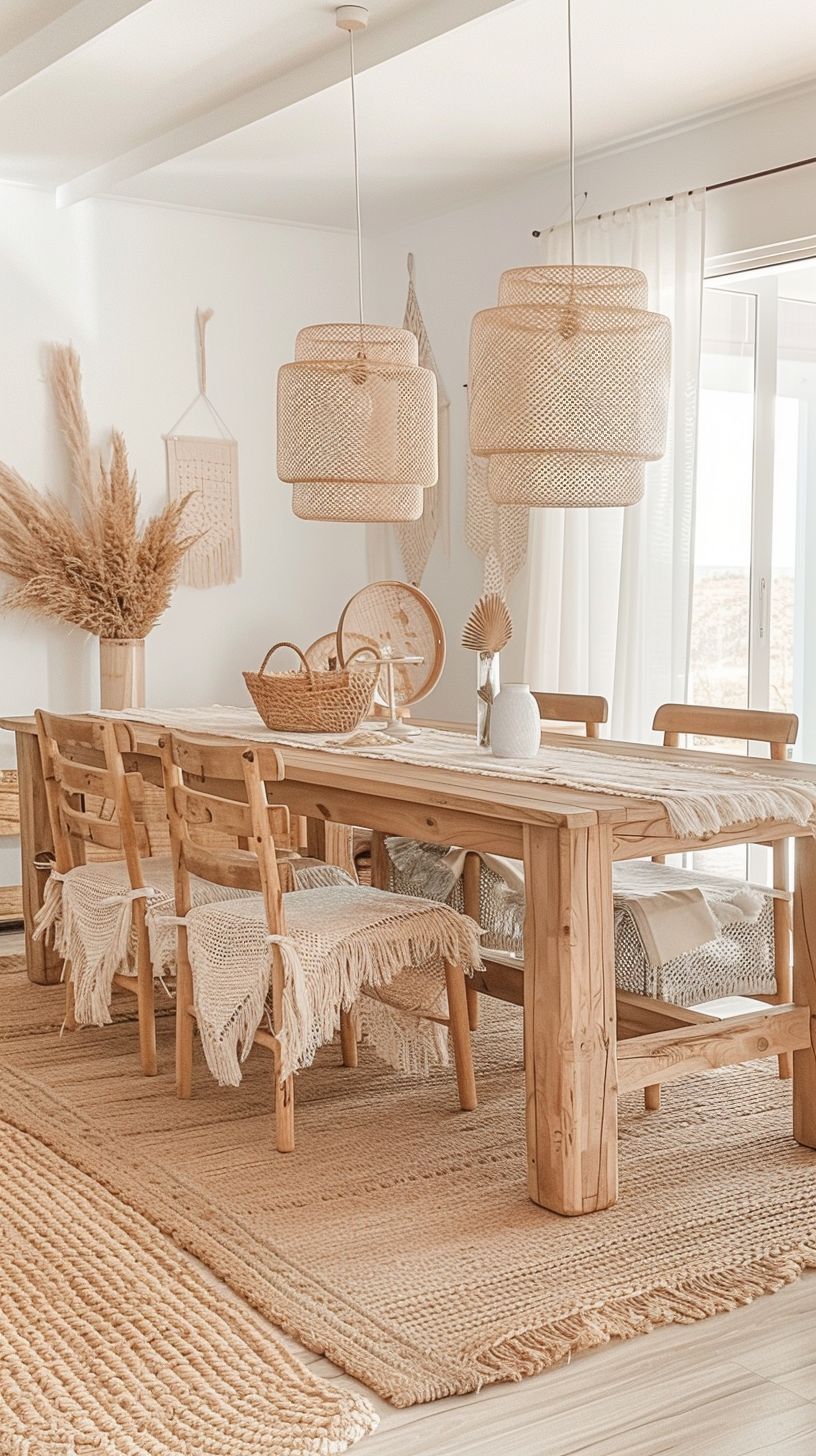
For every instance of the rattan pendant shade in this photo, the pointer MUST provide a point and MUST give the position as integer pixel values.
(356, 414)
(569, 387)
(357, 424)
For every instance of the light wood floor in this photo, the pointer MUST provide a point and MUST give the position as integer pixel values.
(740, 1384)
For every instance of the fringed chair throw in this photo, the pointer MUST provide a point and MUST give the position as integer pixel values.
(205, 468)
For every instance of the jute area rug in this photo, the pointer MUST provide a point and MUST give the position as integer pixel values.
(398, 1239)
(111, 1343)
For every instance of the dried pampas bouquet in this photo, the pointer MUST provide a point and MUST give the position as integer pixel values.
(91, 564)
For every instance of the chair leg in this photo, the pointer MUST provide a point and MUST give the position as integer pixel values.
(348, 1038)
(284, 1111)
(471, 886)
(144, 998)
(651, 1098)
(460, 1036)
(184, 1019)
(70, 1022)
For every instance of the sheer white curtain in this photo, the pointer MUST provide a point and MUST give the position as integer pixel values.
(610, 590)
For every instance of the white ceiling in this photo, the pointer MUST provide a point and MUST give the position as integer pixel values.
(465, 111)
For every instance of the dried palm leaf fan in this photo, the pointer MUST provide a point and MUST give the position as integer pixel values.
(569, 380)
(356, 414)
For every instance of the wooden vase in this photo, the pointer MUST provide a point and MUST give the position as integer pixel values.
(121, 672)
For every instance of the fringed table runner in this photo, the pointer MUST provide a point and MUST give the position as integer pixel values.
(699, 799)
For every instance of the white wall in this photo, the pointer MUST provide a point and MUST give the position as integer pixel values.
(459, 258)
(123, 281)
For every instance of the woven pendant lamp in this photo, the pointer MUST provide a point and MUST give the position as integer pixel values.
(356, 414)
(569, 381)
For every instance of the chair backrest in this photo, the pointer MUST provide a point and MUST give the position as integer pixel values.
(220, 786)
(91, 799)
(574, 708)
(753, 725)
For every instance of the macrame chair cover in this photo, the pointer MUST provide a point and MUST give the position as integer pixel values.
(569, 387)
(357, 424)
(204, 468)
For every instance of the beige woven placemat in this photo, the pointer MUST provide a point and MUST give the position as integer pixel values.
(399, 1238)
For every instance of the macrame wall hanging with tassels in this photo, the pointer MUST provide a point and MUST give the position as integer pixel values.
(414, 539)
(205, 468)
(496, 534)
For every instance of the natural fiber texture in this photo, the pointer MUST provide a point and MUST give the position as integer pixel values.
(399, 1238)
(496, 534)
(738, 962)
(358, 502)
(89, 913)
(354, 409)
(94, 565)
(312, 700)
(489, 626)
(111, 1344)
(569, 386)
(415, 539)
(338, 940)
(401, 618)
(204, 472)
(698, 800)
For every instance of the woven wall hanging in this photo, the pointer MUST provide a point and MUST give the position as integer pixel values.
(496, 534)
(416, 538)
(205, 468)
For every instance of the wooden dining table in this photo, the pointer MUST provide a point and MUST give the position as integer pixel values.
(576, 1066)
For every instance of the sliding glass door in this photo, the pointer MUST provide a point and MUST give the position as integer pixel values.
(753, 627)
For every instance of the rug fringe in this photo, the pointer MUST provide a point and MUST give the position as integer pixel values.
(536, 1349)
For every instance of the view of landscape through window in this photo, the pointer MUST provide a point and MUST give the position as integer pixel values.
(750, 632)
(726, 578)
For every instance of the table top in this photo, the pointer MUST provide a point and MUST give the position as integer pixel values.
(635, 820)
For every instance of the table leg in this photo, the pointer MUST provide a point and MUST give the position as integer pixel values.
(569, 1019)
(333, 843)
(42, 962)
(804, 988)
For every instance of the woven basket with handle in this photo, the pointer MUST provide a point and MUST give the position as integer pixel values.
(310, 701)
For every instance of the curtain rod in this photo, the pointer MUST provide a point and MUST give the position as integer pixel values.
(768, 172)
(715, 186)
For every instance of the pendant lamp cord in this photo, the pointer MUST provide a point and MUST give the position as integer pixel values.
(571, 135)
(356, 185)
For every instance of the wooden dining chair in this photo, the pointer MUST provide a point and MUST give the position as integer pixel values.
(91, 811)
(112, 846)
(224, 785)
(750, 725)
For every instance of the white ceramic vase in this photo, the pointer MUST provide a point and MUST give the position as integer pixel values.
(515, 730)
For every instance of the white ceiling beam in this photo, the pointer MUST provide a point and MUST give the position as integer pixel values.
(371, 48)
(74, 28)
